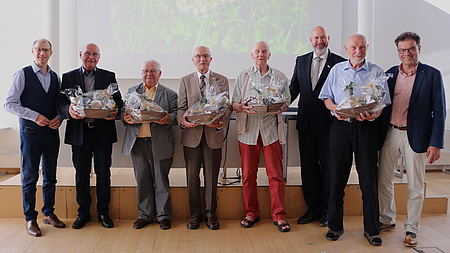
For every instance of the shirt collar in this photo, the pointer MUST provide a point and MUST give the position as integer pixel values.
(37, 69)
(269, 72)
(83, 70)
(154, 87)
(413, 72)
(207, 74)
(365, 66)
(324, 56)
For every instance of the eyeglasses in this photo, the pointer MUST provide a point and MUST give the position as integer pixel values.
(410, 50)
(89, 54)
(45, 50)
(199, 56)
(146, 71)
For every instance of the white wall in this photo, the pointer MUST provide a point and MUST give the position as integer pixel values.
(22, 24)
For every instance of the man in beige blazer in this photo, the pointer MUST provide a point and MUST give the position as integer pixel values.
(202, 144)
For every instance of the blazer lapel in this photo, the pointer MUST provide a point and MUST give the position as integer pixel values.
(80, 79)
(417, 83)
(196, 89)
(159, 93)
(307, 72)
(324, 74)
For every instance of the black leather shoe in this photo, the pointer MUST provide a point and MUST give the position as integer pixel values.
(81, 221)
(106, 221)
(165, 224)
(140, 223)
(323, 220)
(308, 217)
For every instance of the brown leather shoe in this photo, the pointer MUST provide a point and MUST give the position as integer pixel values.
(164, 224)
(410, 240)
(386, 227)
(213, 223)
(194, 222)
(140, 223)
(54, 221)
(33, 228)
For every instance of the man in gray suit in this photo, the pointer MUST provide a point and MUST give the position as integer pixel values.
(202, 144)
(152, 162)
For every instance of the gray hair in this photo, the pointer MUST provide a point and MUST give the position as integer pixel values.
(262, 41)
(207, 48)
(158, 66)
(357, 34)
(88, 44)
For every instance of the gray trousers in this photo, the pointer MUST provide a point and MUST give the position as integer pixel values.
(152, 178)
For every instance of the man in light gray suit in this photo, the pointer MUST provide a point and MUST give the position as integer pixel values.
(152, 146)
(202, 144)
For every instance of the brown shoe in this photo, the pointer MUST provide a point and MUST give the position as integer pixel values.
(194, 222)
(164, 224)
(386, 227)
(54, 221)
(410, 240)
(140, 223)
(33, 228)
(213, 223)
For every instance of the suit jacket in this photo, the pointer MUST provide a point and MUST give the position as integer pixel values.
(106, 129)
(163, 138)
(426, 112)
(189, 94)
(311, 110)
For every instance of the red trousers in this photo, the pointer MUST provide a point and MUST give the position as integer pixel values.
(273, 157)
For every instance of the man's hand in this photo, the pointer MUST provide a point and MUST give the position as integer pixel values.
(218, 125)
(283, 109)
(367, 116)
(243, 107)
(41, 120)
(73, 113)
(55, 123)
(113, 116)
(127, 118)
(433, 154)
(164, 120)
(186, 123)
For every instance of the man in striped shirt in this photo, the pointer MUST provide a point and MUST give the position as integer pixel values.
(256, 130)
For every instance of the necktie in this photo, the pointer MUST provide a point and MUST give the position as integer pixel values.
(202, 84)
(315, 72)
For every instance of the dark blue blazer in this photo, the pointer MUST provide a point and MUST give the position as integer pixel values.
(106, 129)
(311, 110)
(426, 112)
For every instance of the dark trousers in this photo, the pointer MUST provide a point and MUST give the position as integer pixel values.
(345, 139)
(36, 142)
(315, 163)
(210, 158)
(82, 161)
(152, 178)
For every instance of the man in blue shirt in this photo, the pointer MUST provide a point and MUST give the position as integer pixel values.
(353, 135)
(33, 98)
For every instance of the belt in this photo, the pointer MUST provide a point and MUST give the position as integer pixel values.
(90, 124)
(402, 128)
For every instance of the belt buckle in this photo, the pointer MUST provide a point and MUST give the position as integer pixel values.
(91, 124)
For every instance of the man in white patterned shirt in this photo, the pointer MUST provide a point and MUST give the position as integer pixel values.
(256, 130)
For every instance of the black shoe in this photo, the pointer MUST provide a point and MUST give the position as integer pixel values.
(308, 217)
(334, 235)
(81, 221)
(106, 221)
(323, 220)
(140, 223)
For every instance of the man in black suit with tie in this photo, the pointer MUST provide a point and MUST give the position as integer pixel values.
(313, 125)
(90, 137)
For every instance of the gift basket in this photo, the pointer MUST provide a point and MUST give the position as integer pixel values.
(141, 108)
(267, 98)
(96, 104)
(212, 107)
(361, 98)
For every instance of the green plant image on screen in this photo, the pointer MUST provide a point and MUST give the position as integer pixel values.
(226, 26)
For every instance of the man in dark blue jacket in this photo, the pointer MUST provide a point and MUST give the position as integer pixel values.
(413, 126)
(90, 137)
(313, 125)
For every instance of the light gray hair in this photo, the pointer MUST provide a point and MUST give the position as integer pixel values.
(158, 66)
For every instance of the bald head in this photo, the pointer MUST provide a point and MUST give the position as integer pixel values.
(319, 40)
